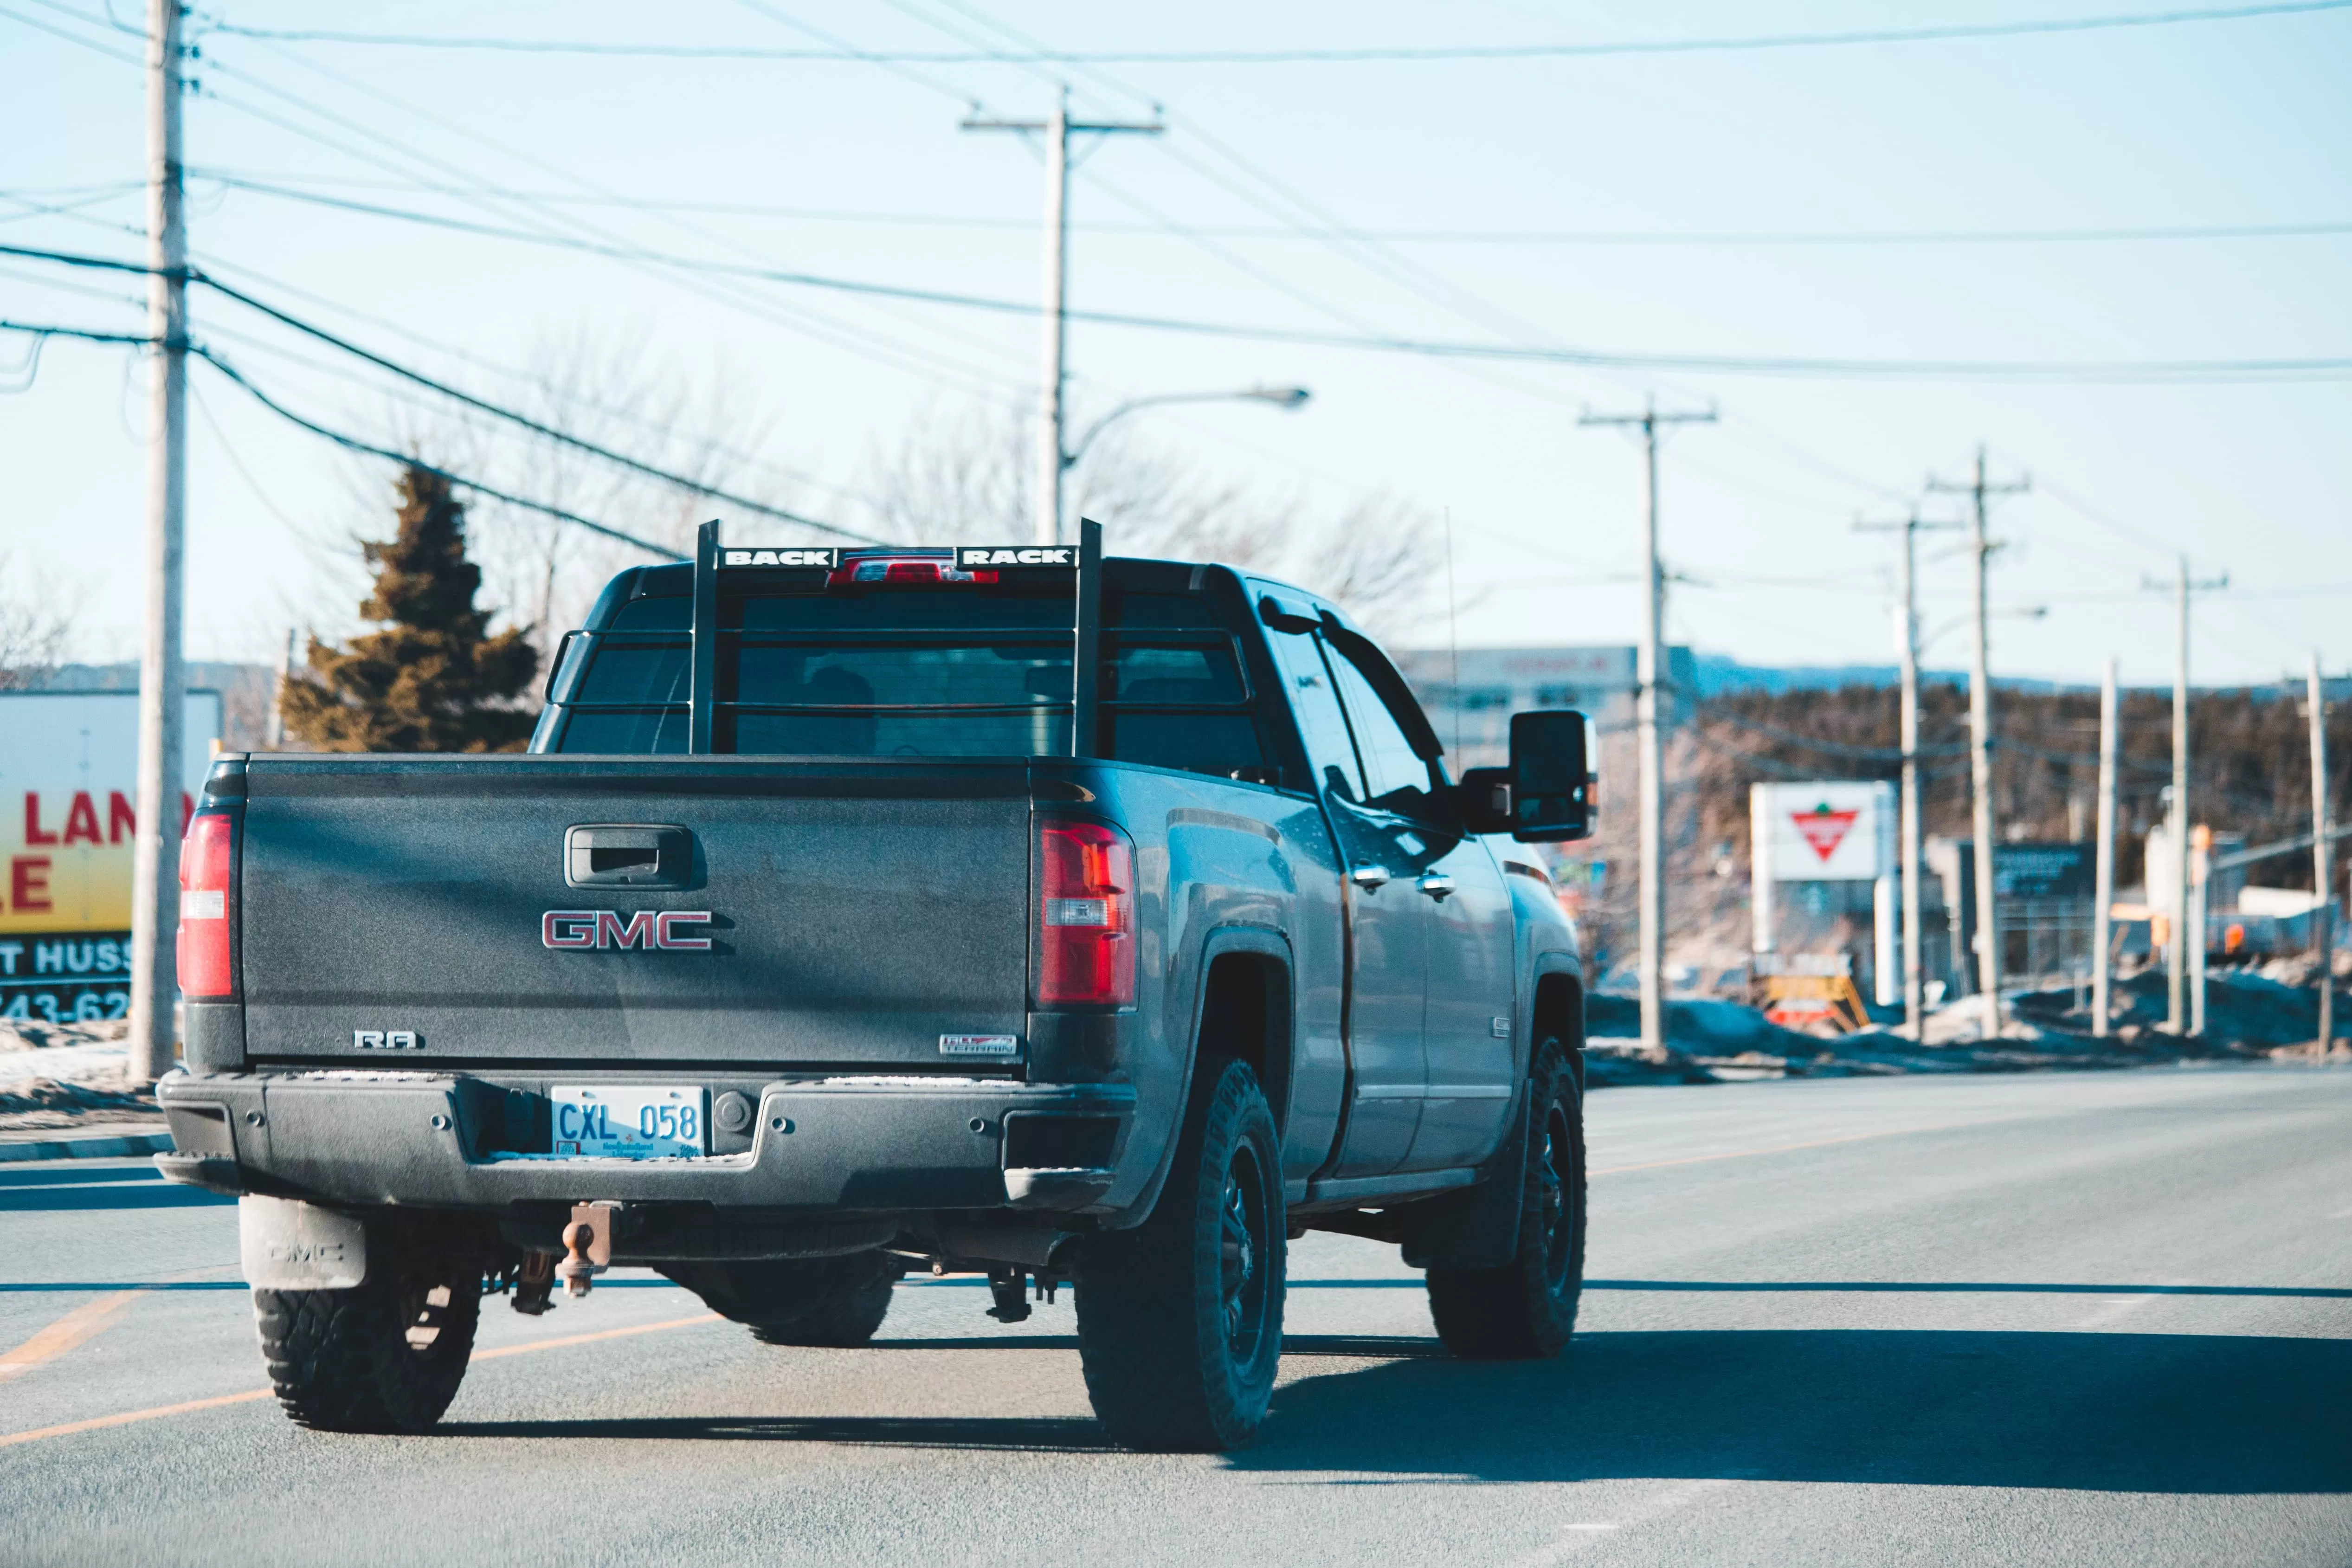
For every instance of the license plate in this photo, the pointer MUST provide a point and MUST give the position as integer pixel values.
(633, 1121)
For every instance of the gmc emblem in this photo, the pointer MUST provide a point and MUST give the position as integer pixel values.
(590, 928)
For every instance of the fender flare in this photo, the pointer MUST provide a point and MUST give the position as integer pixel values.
(1478, 1226)
(1264, 941)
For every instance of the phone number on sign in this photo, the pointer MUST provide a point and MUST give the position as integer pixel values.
(80, 979)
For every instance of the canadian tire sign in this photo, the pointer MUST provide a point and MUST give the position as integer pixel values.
(1831, 831)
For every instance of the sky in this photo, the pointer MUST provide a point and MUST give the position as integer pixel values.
(1860, 202)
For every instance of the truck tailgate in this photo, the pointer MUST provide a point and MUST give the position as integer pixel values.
(857, 911)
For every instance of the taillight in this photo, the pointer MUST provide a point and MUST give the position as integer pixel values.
(207, 867)
(1085, 915)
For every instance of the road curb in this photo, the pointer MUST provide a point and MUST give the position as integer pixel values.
(84, 1145)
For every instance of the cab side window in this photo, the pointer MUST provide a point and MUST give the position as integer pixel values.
(1314, 700)
(1395, 779)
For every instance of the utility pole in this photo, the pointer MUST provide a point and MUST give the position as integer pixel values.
(1907, 648)
(1058, 130)
(1981, 745)
(2323, 863)
(2177, 1019)
(2102, 886)
(155, 874)
(1648, 661)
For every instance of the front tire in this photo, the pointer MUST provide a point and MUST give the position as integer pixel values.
(384, 1356)
(1180, 1320)
(1526, 1309)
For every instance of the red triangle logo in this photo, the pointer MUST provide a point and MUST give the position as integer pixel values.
(1822, 828)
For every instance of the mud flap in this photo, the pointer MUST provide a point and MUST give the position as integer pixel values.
(1475, 1227)
(291, 1246)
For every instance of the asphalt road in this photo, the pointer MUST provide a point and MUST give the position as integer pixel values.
(2087, 1319)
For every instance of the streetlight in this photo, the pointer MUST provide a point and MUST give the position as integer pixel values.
(1288, 397)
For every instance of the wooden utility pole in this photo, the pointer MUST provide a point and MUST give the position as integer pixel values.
(2177, 1008)
(1648, 674)
(1988, 933)
(2104, 881)
(155, 861)
(1054, 381)
(1908, 649)
(2323, 863)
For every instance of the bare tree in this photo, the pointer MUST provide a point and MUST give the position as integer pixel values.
(959, 476)
(37, 624)
(606, 386)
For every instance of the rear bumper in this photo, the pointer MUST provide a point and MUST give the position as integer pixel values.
(836, 1145)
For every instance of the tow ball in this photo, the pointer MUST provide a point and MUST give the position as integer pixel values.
(588, 1246)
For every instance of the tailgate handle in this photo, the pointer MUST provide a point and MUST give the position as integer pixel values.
(629, 855)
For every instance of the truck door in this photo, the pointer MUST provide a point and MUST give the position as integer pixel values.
(1387, 933)
(1466, 1077)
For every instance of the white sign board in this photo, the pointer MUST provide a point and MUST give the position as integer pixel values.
(68, 798)
(1834, 831)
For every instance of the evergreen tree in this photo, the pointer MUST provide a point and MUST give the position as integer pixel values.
(433, 679)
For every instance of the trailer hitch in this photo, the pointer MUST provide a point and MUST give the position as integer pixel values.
(588, 1246)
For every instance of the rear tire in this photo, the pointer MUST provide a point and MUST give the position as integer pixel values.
(1180, 1320)
(1526, 1309)
(386, 1356)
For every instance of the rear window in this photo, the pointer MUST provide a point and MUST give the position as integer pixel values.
(926, 672)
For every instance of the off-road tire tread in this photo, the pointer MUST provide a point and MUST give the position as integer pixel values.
(1134, 1291)
(340, 1360)
(1507, 1313)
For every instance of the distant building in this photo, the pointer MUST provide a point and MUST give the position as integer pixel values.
(1473, 693)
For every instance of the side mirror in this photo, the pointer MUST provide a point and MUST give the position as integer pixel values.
(1482, 798)
(1551, 778)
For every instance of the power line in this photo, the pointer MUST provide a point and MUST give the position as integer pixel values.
(278, 184)
(1360, 56)
(57, 32)
(2086, 372)
(922, 362)
(512, 416)
(368, 448)
(926, 366)
(537, 428)
(88, 334)
(538, 382)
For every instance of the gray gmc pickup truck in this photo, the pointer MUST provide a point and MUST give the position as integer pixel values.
(1009, 910)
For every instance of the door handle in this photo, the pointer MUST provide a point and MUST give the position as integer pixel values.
(1372, 878)
(629, 855)
(1436, 884)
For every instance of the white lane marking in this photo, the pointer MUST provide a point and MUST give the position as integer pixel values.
(2341, 1213)
(2113, 1311)
(1792, 1148)
(1648, 1511)
(2123, 1306)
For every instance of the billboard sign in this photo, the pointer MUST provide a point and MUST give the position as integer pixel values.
(68, 818)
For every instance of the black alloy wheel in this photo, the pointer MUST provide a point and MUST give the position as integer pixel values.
(1526, 1309)
(1180, 1320)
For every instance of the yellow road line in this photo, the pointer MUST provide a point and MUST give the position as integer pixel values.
(68, 1331)
(591, 1339)
(1791, 1148)
(95, 1423)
